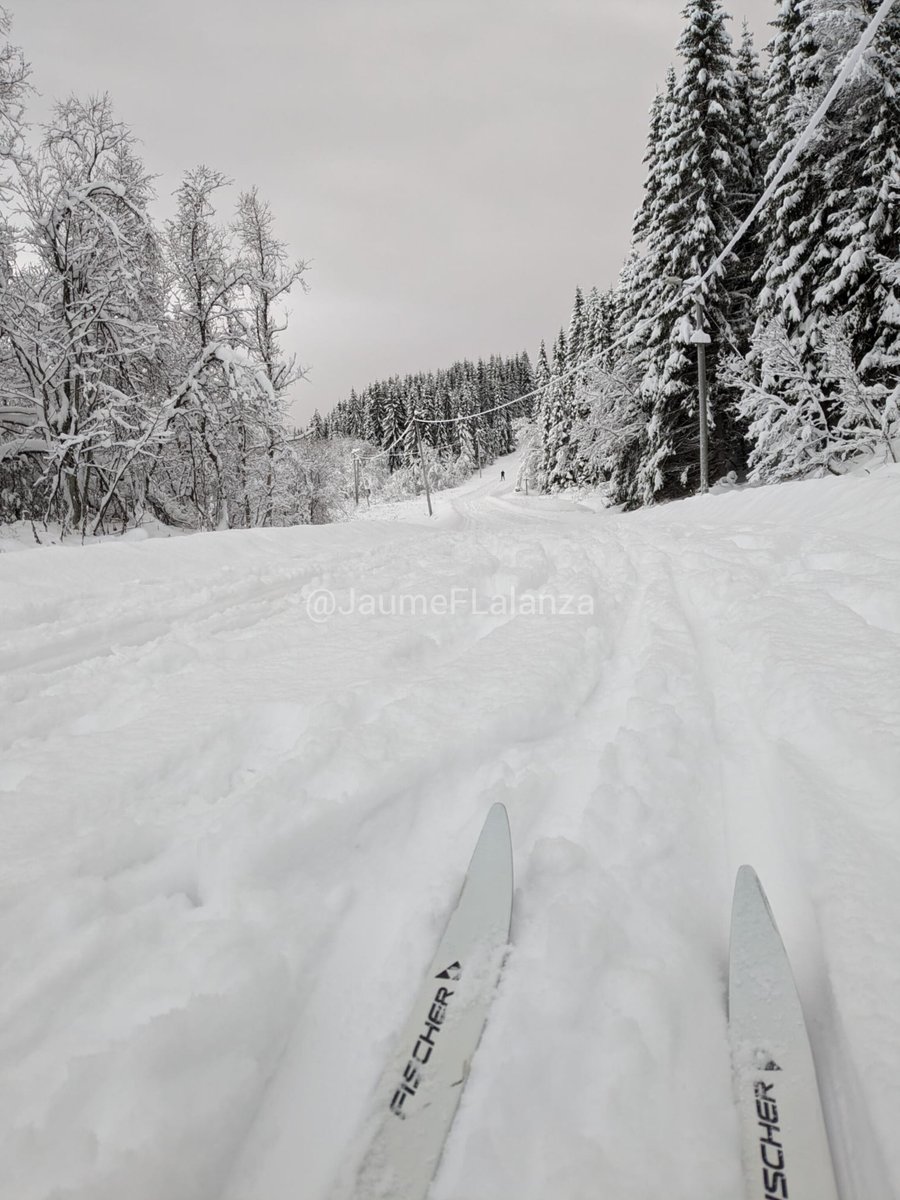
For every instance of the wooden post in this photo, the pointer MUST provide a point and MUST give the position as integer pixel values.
(424, 468)
(701, 340)
(356, 478)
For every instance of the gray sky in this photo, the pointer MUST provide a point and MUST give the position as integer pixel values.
(451, 169)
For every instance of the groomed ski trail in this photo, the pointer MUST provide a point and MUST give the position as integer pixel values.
(234, 835)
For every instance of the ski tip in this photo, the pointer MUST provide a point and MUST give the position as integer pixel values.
(751, 909)
(749, 890)
(746, 877)
(495, 846)
(746, 881)
(497, 813)
(748, 884)
(496, 828)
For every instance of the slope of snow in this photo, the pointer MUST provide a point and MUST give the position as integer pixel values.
(233, 826)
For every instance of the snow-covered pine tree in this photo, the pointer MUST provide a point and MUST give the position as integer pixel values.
(446, 439)
(748, 182)
(505, 435)
(317, 426)
(559, 461)
(830, 236)
(521, 377)
(862, 282)
(697, 221)
(424, 405)
(832, 245)
(644, 289)
(798, 252)
(579, 349)
(591, 316)
(412, 399)
(394, 423)
(498, 431)
(606, 320)
(373, 416)
(575, 343)
(463, 403)
(772, 405)
(349, 417)
(543, 406)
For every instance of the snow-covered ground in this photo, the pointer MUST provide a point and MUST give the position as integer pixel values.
(233, 825)
(25, 535)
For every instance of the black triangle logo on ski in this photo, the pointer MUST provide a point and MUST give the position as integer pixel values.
(453, 972)
(771, 1065)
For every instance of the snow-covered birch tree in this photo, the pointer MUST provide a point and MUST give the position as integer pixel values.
(82, 313)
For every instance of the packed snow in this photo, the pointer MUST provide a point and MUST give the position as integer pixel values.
(242, 774)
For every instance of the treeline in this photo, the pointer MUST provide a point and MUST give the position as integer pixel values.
(804, 315)
(465, 399)
(140, 365)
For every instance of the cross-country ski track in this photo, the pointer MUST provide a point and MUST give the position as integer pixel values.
(233, 830)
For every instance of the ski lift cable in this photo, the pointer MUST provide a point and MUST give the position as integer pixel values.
(382, 453)
(578, 369)
(482, 413)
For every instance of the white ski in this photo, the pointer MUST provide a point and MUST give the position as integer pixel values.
(785, 1145)
(420, 1090)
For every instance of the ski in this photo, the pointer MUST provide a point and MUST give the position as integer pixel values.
(784, 1142)
(420, 1090)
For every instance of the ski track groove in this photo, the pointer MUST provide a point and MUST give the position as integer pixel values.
(757, 835)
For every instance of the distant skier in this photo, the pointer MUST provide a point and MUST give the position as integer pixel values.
(502, 476)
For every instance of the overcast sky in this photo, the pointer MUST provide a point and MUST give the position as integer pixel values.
(451, 169)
